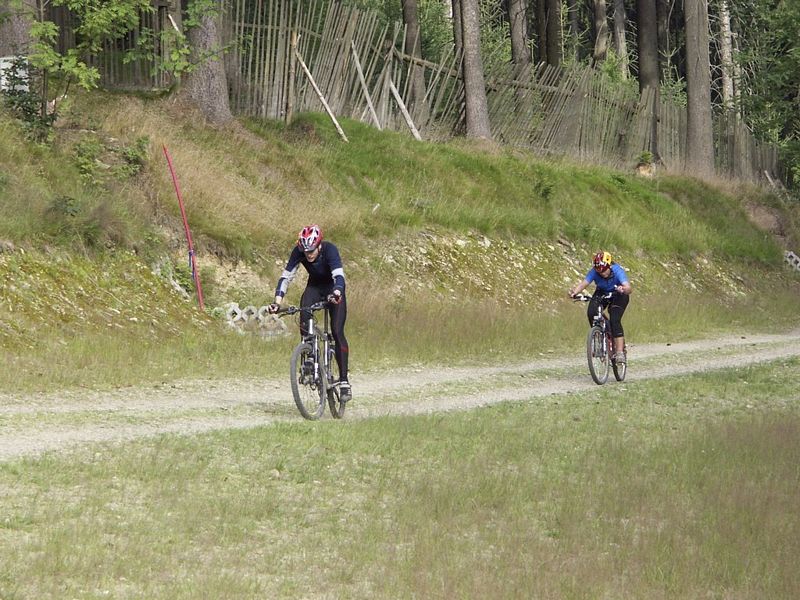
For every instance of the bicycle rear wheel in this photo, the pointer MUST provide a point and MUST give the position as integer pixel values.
(309, 391)
(597, 355)
(620, 369)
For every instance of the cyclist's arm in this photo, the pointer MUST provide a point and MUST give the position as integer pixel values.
(579, 288)
(624, 288)
(288, 274)
(337, 271)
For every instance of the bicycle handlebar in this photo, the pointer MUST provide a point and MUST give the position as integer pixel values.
(290, 310)
(587, 298)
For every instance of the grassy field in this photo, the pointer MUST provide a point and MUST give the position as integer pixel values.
(678, 488)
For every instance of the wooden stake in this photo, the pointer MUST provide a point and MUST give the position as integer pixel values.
(320, 96)
(403, 110)
(364, 86)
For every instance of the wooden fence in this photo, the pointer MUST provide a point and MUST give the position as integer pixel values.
(118, 67)
(358, 66)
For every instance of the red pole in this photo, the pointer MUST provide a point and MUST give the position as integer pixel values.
(192, 260)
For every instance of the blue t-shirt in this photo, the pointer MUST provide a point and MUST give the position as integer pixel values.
(618, 277)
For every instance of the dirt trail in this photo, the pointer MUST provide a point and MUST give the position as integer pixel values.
(33, 424)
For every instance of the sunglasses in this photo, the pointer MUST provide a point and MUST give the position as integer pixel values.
(602, 268)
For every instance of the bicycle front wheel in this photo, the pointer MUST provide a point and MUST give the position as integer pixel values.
(597, 355)
(334, 400)
(309, 389)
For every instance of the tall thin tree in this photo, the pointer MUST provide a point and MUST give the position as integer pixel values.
(518, 27)
(726, 55)
(647, 45)
(620, 37)
(553, 17)
(600, 28)
(412, 46)
(476, 105)
(699, 135)
(457, 28)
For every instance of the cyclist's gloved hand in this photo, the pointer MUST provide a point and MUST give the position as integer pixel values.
(335, 297)
(273, 308)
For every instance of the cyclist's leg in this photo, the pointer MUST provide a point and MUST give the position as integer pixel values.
(591, 311)
(619, 302)
(310, 295)
(338, 317)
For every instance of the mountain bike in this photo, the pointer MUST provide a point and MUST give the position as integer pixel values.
(313, 370)
(600, 344)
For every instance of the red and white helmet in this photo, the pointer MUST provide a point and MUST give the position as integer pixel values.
(310, 237)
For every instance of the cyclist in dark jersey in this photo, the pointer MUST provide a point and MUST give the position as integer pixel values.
(325, 282)
(608, 276)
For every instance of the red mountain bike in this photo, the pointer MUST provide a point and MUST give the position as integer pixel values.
(600, 344)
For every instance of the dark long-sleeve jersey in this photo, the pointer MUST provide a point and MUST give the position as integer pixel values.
(325, 271)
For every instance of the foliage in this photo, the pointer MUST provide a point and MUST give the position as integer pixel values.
(25, 103)
(770, 57)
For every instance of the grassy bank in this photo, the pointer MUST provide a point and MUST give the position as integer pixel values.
(675, 488)
(453, 253)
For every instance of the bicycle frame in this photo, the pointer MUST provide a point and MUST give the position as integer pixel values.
(323, 338)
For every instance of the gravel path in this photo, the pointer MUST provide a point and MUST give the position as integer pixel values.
(33, 424)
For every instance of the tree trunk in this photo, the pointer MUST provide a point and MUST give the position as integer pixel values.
(620, 41)
(573, 13)
(15, 26)
(600, 32)
(699, 135)
(413, 47)
(518, 26)
(553, 17)
(457, 27)
(665, 51)
(476, 106)
(726, 55)
(541, 31)
(647, 45)
(207, 86)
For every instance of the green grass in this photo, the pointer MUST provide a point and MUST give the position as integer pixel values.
(680, 488)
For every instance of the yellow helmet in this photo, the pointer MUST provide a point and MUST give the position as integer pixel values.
(602, 261)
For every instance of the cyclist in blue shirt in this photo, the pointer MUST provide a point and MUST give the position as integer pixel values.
(608, 276)
(323, 264)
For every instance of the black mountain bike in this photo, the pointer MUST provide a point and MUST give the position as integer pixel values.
(600, 344)
(313, 371)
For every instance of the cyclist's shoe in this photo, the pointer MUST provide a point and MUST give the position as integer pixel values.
(620, 358)
(345, 391)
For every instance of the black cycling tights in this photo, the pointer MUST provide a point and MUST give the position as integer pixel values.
(338, 314)
(616, 308)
